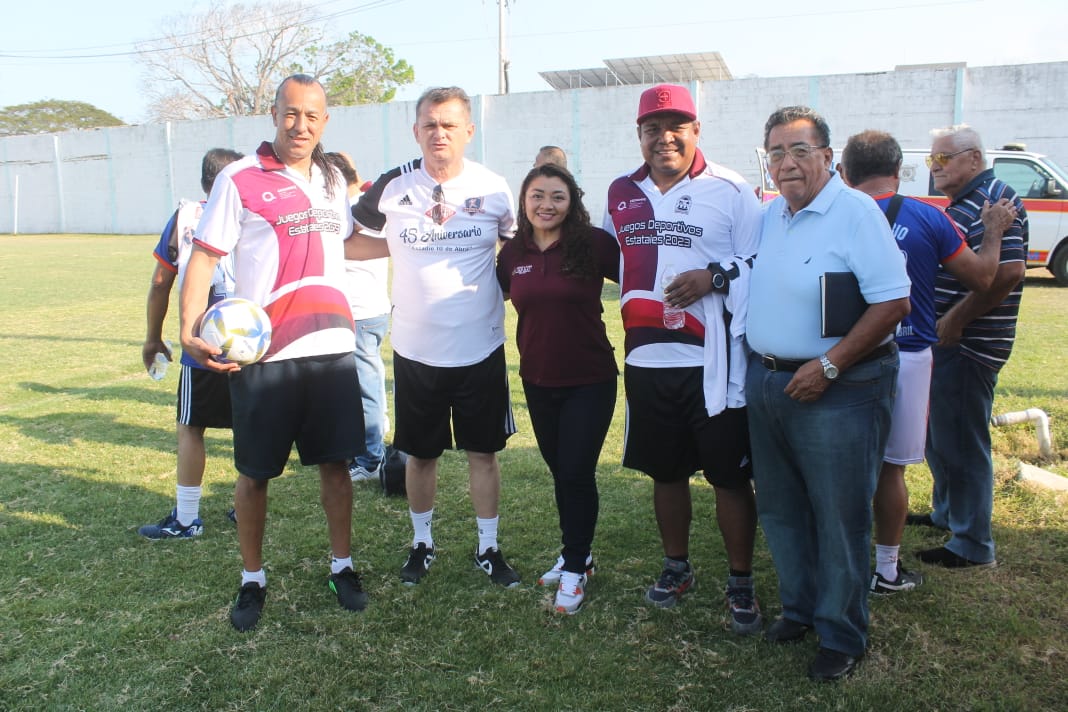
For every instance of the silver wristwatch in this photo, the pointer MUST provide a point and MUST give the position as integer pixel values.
(830, 371)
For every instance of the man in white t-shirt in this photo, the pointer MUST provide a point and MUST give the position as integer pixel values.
(440, 217)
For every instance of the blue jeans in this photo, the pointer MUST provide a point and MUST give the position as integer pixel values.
(372, 373)
(570, 424)
(815, 466)
(958, 452)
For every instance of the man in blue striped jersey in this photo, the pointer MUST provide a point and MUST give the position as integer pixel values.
(976, 330)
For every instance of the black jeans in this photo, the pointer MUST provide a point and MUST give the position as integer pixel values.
(570, 424)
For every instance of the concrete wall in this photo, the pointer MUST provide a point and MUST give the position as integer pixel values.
(128, 179)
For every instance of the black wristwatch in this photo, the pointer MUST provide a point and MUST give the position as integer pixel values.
(720, 280)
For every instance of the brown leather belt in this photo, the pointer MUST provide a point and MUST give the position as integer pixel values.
(774, 363)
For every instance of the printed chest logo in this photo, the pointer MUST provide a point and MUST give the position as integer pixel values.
(632, 204)
(440, 213)
(522, 269)
(683, 206)
(284, 193)
(473, 206)
(405, 200)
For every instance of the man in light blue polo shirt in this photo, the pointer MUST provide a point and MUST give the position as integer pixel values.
(819, 406)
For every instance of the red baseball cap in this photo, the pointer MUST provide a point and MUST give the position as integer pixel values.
(666, 98)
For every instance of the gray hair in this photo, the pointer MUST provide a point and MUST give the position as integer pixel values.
(962, 136)
(439, 95)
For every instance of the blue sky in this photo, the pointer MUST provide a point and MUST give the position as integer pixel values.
(57, 49)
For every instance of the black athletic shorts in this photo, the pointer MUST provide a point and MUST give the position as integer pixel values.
(308, 401)
(203, 398)
(475, 398)
(669, 434)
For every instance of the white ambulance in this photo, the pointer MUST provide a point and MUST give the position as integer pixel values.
(1037, 179)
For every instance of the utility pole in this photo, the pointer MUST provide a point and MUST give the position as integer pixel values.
(502, 52)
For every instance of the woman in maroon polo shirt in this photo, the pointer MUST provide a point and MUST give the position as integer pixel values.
(553, 271)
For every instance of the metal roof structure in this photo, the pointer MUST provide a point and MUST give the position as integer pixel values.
(677, 68)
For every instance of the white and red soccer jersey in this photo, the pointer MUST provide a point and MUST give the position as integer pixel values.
(712, 215)
(287, 239)
(448, 309)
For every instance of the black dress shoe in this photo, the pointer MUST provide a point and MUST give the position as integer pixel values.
(922, 520)
(941, 556)
(784, 630)
(830, 665)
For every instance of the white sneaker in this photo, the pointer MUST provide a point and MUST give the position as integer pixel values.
(552, 576)
(358, 474)
(570, 593)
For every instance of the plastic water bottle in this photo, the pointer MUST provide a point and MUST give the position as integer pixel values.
(158, 369)
(674, 317)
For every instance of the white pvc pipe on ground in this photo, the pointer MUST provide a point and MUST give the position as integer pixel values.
(1031, 415)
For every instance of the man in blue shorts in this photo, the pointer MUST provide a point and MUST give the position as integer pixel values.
(871, 163)
(203, 394)
(283, 213)
(440, 218)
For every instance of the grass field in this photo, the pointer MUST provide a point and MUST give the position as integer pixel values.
(93, 617)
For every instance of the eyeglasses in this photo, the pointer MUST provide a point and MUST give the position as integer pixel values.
(943, 158)
(799, 152)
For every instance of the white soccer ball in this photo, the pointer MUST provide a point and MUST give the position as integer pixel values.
(240, 328)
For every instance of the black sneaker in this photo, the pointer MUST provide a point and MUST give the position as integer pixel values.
(247, 608)
(676, 579)
(906, 581)
(941, 556)
(742, 605)
(913, 519)
(831, 665)
(419, 559)
(492, 562)
(786, 630)
(231, 514)
(348, 589)
(170, 528)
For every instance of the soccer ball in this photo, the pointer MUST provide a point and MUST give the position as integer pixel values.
(240, 328)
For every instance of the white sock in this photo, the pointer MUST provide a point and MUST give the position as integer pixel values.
(487, 533)
(338, 565)
(188, 499)
(254, 577)
(886, 561)
(422, 523)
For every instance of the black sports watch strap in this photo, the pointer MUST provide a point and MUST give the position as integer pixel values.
(721, 278)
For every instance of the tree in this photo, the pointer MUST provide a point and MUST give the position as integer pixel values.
(367, 72)
(228, 60)
(53, 116)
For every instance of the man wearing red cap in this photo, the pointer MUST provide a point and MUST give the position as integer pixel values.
(687, 231)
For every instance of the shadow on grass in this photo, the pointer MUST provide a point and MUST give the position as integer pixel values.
(69, 428)
(142, 394)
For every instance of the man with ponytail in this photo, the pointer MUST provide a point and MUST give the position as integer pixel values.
(283, 214)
